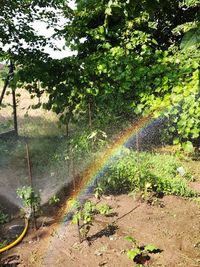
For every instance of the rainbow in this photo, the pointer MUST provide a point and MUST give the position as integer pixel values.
(95, 171)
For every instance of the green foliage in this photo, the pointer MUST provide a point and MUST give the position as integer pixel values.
(131, 54)
(85, 213)
(3, 243)
(132, 253)
(128, 62)
(138, 251)
(174, 96)
(104, 209)
(98, 191)
(131, 239)
(3, 217)
(16, 18)
(188, 147)
(151, 248)
(86, 141)
(144, 172)
(191, 38)
(84, 216)
(29, 198)
(54, 200)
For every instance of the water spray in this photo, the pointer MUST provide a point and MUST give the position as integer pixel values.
(29, 211)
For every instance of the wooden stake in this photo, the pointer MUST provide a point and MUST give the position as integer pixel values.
(137, 141)
(137, 153)
(90, 114)
(29, 166)
(73, 173)
(31, 185)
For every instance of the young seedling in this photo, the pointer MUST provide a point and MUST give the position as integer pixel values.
(140, 254)
(147, 188)
(84, 217)
(3, 217)
(104, 209)
(31, 202)
(98, 191)
(54, 200)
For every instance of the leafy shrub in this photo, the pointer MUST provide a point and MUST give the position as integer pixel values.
(174, 94)
(133, 171)
(29, 198)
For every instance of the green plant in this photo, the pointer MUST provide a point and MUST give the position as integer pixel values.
(155, 172)
(54, 200)
(147, 188)
(140, 254)
(3, 217)
(197, 200)
(98, 191)
(31, 202)
(29, 198)
(104, 209)
(84, 216)
(3, 243)
(98, 137)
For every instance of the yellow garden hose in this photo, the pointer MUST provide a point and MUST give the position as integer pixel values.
(19, 239)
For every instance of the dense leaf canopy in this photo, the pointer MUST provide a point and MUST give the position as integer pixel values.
(18, 37)
(133, 57)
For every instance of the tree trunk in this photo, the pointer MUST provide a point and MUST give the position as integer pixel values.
(15, 112)
(7, 81)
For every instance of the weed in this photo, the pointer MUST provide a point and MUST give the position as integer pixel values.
(54, 200)
(3, 243)
(3, 217)
(196, 200)
(28, 197)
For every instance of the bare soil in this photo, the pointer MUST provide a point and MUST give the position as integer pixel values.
(172, 224)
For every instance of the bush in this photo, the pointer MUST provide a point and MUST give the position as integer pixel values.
(131, 172)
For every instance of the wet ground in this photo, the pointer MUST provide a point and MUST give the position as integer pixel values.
(172, 225)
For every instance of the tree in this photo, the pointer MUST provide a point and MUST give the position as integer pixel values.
(16, 24)
(19, 41)
(20, 44)
(128, 62)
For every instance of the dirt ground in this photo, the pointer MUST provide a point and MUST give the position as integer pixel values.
(172, 225)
